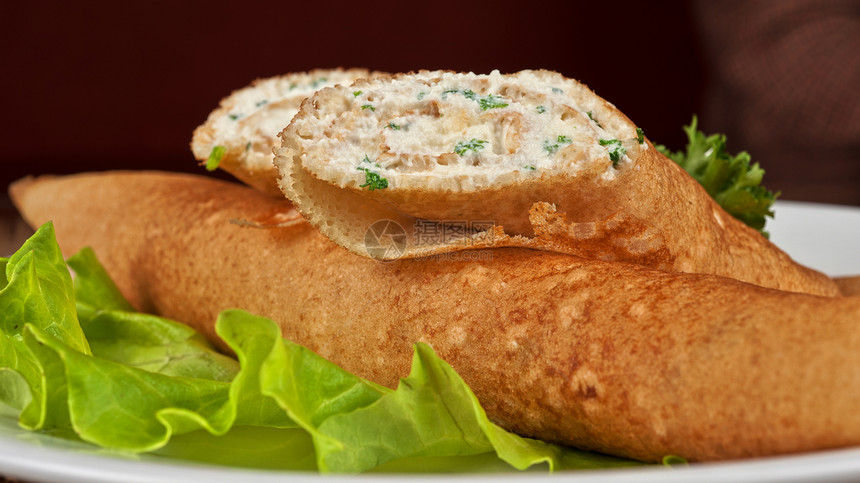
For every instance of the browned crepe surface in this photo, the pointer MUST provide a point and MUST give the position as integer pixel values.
(607, 356)
(849, 286)
(669, 220)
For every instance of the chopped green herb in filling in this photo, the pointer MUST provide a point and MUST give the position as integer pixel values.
(616, 150)
(372, 181)
(551, 147)
(248, 146)
(421, 95)
(449, 91)
(262, 103)
(541, 109)
(530, 167)
(640, 135)
(356, 93)
(473, 144)
(557, 90)
(234, 117)
(393, 126)
(368, 106)
(490, 101)
(214, 158)
(593, 119)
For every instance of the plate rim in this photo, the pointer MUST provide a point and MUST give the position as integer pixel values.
(47, 460)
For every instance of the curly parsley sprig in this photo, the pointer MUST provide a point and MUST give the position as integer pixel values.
(731, 180)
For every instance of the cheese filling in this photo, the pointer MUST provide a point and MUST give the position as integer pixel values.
(480, 126)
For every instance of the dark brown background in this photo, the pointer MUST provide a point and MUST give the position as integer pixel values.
(107, 85)
(104, 85)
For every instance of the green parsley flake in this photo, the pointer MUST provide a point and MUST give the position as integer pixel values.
(372, 181)
(368, 106)
(530, 167)
(449, 91)
(368, 161)
(541, 109)
(262, 103)
(421, 95)
(214, 158)
(640, 135)
(473, 144)
(356, 93)
(551, 147)
(393, 126)
(490, 101)
(616, 150)
(593, 119)
(248, 146)
(234, 117)
(557, 90)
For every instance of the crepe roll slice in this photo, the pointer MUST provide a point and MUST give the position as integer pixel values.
(240, 134)
(600, 355)
(455, 161)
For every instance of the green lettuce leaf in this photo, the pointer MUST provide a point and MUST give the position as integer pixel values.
(81, 361)
(730, 180)
(117, 333)
(356, 424)
(167, 381)
(37, 291)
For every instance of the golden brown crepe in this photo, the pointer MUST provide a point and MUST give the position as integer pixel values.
(531, 159)
(849, 286)
(246, 123)
(601, 355)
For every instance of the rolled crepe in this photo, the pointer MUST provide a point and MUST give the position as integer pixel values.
(243, 130)
(533, 159)
(849, 286)
(600, 355)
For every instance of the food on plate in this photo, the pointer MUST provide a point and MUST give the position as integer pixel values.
(239, 135)
(77, 360)
(532, 159)
(849, 286)
(729, 179)
(600, 355)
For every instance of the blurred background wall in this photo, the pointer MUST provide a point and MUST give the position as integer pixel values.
(93, 85)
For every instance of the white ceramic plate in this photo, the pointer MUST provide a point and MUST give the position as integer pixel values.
(825, 237)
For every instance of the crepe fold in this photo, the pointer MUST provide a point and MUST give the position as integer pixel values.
(600, 355)
(531, 159)
(849, 286)
(242, 131)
